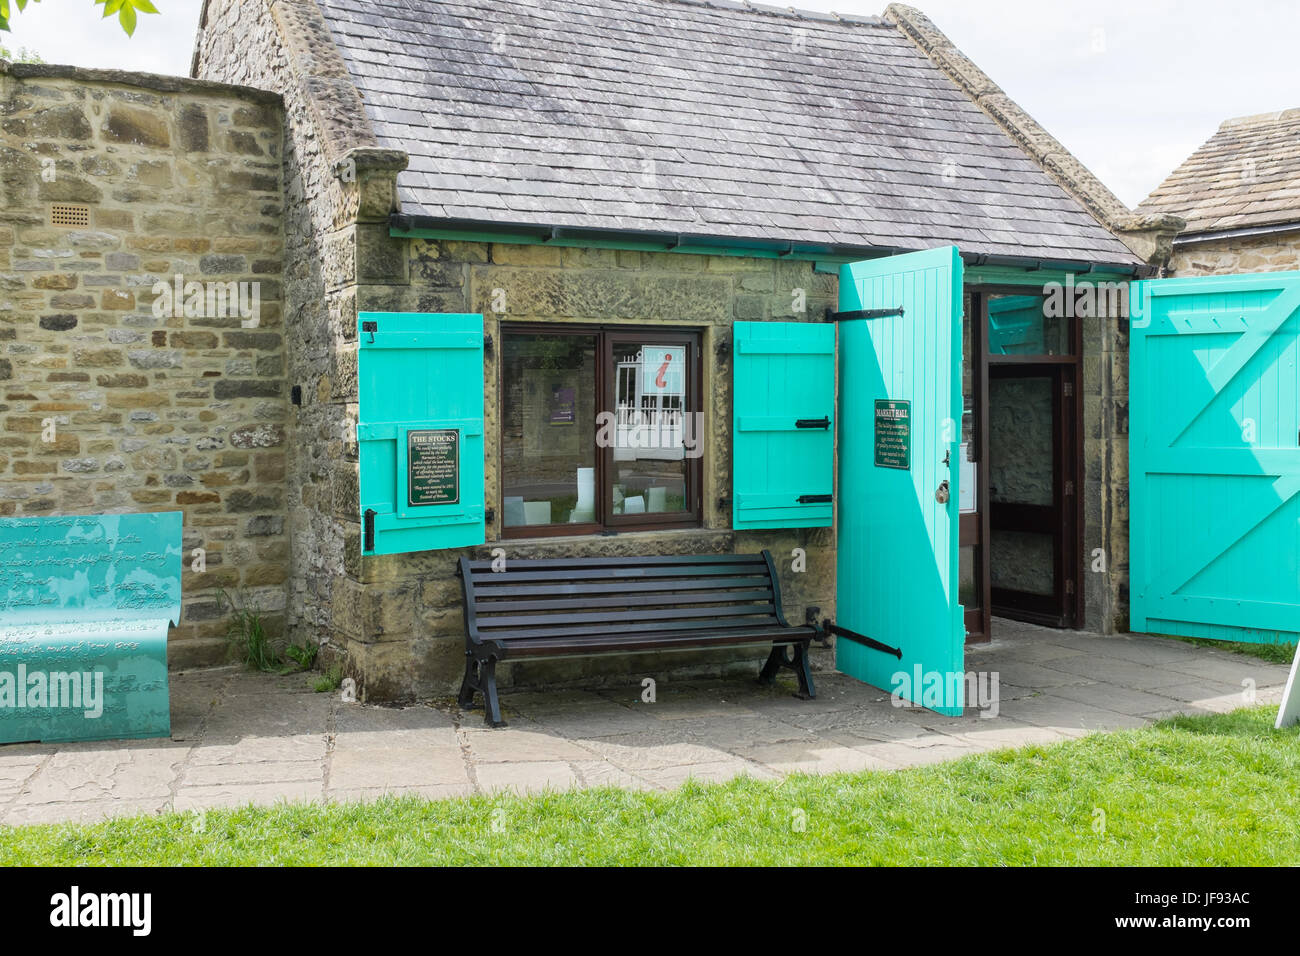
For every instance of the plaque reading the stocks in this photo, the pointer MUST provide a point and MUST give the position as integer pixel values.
(893, 434)
(433, 467)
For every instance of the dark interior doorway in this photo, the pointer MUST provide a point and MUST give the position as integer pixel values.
(1021, 521)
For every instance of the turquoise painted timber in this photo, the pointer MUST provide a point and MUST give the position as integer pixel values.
(85, 603)
(784, 373)
(420, 377)
(1016, 325)
(1214, 412)
(896, 577)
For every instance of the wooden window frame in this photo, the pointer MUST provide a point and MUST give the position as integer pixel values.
(607, 336)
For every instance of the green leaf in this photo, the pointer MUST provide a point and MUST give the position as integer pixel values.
(127, 19)
(4, 23)
(144, 6)
(4, 10)
(112, 6)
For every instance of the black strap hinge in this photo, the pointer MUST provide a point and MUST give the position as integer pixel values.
(814, 499)
(863, 314)
(862, 639)
(823, 422)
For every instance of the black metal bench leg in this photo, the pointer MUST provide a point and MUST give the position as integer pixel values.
(803, 672)
(488, 684)
(775, 661)
(465, 699)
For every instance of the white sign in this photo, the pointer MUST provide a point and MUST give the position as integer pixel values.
(966, 484)
(1289, 712)
(662, 370)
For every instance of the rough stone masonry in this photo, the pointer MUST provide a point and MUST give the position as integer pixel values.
(113, 183)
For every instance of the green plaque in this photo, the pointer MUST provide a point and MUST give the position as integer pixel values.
(893, 434)
(433, 467)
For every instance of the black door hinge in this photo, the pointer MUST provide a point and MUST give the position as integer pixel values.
(372, 328)
(368, 530)
(832, 316)
(814, 499)
(823, 422)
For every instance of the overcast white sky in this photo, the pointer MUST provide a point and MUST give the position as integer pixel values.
(1130, 86)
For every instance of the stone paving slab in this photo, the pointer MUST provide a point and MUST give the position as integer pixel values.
(243, 738)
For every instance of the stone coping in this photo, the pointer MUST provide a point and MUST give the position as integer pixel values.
(159, 82)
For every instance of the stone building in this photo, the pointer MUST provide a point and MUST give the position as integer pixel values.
(586, 180)
(605, 188)
(1240, 195)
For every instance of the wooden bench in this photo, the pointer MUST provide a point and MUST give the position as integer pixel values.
(575, 607)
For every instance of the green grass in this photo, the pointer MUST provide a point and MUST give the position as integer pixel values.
(1273, 653)
(1211, 790)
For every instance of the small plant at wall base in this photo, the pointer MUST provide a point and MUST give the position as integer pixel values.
(304, 655)
(246, 635)
(331, 679)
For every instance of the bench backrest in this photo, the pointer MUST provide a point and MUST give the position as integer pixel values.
(574, 597)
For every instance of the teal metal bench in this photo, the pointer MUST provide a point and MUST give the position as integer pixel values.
(85, 604)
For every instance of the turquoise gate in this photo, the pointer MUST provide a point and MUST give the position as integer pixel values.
(1214, 460)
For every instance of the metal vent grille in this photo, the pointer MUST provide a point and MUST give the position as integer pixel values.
(66, 214)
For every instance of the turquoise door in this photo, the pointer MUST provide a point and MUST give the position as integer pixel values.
(899, 438)
(1214, 462)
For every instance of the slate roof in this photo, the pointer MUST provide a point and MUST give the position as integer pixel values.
(703, 119)
(1246, 175)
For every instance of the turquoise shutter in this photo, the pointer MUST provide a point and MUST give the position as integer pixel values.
(783, 436)
(420, 431)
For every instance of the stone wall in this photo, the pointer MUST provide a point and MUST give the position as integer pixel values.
(407, 633)
(109, 404)
(283, 46)
(1276, 253)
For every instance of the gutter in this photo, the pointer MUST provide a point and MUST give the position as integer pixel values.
(403, 225)
(1248, 232)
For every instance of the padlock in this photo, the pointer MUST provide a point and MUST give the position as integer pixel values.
(941, 493)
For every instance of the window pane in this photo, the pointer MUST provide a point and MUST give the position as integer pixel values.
(1018, 326)
(548, 428)
(650, 418)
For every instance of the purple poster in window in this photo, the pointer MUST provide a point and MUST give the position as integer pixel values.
(562, 405)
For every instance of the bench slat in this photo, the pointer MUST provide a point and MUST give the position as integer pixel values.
(656, 614)
(619, 627)
(678, 560)
(608, 574)
(648, 641)
(508, 606)
(494, 589)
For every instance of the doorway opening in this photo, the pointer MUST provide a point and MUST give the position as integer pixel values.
(1021, 511)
